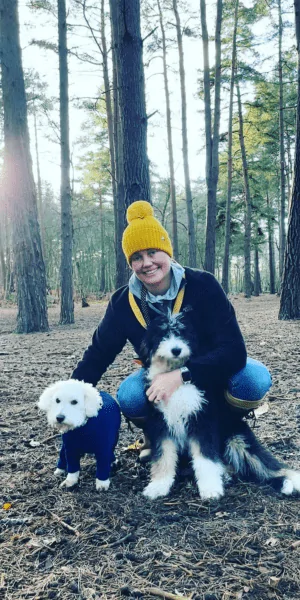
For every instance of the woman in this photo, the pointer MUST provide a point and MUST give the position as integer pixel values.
(159, 284)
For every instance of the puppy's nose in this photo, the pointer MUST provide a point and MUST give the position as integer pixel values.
(176, 351)
(60, 418)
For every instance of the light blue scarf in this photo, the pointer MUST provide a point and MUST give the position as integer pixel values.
(177, 271)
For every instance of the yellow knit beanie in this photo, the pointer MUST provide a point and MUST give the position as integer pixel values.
(144, 231)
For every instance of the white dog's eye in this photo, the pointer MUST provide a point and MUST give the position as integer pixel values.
(74, 401)
(57, 400)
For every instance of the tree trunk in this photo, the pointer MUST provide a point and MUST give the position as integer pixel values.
(131, 89)
(67, 303)
(271, 249)
(282, 211)
(120, 207)
(248, 210)
(211, 133)
(39, 185)
(102, 229)
(18, 185)
(188, 192)
(290, 293)
(226, 258)
(256, 283)
(170, 141)
(109, 111)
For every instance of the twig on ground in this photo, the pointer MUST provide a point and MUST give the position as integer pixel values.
(128, 537)
(163, 594)
(63, 523)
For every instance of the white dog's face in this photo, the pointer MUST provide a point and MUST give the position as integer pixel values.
(68, 404)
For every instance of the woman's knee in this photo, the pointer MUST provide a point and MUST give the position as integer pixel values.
(131, 395)
(248, 387)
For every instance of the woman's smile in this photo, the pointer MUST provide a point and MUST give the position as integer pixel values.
(153, 268)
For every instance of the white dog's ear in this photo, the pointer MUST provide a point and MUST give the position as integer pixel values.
(46, 397)
(92, 399)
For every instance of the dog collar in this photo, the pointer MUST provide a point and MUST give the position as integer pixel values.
(138, 313)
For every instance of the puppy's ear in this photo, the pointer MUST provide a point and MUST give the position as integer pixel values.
(92, 399)
(47, 395)
(144, 355)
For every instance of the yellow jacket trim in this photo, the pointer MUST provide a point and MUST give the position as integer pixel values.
(138, 313)
(244, 404)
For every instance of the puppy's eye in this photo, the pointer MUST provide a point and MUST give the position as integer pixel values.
(57, 400)
(74, 401)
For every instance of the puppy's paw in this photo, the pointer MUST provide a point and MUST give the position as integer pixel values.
(211, 492)
(158, 488)
(102, 485)
(59, 472)
(71, 480)
(145, 455)
(291, 483)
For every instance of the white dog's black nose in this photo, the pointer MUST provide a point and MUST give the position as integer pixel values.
(60, 418)
(176, 351)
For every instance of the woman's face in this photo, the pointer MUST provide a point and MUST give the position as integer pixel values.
(153, 268)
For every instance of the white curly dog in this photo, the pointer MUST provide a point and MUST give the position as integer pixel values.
(89, 423)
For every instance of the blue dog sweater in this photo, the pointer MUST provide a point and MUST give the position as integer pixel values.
(98, 436)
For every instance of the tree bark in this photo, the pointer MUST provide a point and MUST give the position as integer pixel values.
(120, 207)
(131, 89)
(188, 192)
(169, 133)
(18, 185)
(226, 258)
(66, 274)
(290, 293)
(211, 132)
(248, 208)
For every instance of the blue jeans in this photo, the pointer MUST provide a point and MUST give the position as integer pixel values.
(245, 391)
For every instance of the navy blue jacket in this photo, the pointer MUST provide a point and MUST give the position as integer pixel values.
(221, 346)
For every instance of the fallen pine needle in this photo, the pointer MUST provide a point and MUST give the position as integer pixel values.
(125, 538)
(163, 594)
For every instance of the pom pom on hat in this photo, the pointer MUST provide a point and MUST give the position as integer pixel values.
(144, 231)
(139, 210)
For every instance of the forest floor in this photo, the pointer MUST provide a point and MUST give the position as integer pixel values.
(81, 544)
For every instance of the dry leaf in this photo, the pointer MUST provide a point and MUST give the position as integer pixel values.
(273, 581)
(271, 541)
(2, 581)
(135, 446)
(6, 505)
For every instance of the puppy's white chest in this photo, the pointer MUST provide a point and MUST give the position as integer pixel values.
(185, 402)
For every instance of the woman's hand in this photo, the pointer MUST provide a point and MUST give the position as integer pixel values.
(163, 386)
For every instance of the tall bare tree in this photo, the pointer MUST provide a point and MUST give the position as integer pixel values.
(169, 133)
(18, 186)
(211, 132)
(185, 150)
(282, 206)
(290, 293)
(226, 257)
(67, 303)
(248, 206)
